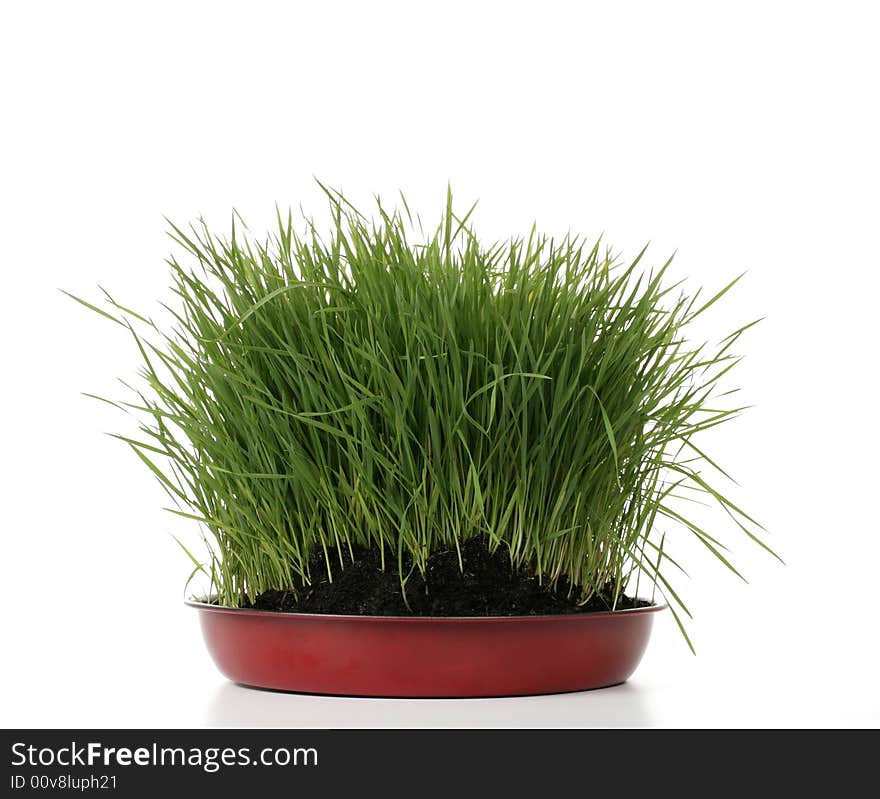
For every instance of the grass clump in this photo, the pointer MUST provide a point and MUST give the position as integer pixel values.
(367, 391)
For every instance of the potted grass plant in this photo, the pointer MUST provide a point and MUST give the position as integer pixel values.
(425, 466)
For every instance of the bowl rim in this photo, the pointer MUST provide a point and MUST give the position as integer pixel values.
(338, 617)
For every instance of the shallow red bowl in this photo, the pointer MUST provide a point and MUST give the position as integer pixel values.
(425, 656)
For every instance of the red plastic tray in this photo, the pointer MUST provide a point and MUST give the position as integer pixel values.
(425, 656)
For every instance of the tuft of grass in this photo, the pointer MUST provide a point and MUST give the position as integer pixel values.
(316, 393)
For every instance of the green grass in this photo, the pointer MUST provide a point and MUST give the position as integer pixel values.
(317, 393)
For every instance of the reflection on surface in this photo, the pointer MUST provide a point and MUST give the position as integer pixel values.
(238, 706)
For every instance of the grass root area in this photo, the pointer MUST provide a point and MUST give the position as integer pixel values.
(482, 583)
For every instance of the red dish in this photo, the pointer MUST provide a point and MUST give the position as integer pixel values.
(425, 656)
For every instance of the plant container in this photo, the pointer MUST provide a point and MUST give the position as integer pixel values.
(395, 656)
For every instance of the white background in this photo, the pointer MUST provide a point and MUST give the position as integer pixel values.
(746, 139)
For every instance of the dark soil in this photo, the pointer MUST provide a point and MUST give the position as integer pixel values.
(485, 586)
